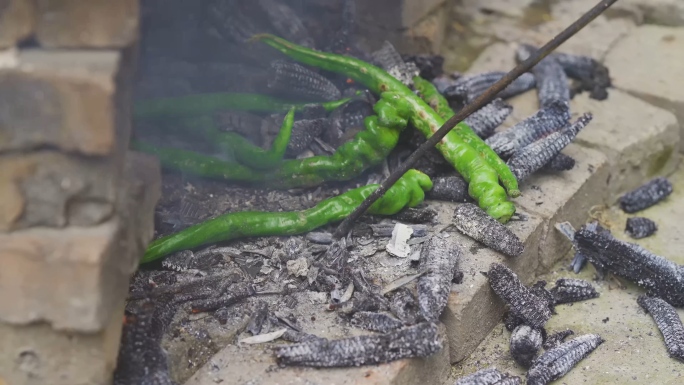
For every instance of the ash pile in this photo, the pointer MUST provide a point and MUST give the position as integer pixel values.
(265, 148)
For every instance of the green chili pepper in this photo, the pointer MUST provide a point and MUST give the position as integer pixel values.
(438, 103)
(368, 148)
(408, 191)
(482, 179)
(241, 149)
(205, 104)
(479, 173)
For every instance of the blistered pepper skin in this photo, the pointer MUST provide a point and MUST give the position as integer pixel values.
(409, 191)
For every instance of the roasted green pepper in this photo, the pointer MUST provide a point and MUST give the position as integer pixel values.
(478, 172)
(408, 191)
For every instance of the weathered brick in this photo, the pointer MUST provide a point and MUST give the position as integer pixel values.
(17, 20)
(48, 188)
(70, 100)
(639, 139)
(473, 308)
(37, 354)
(87, 24)
(647, 64)
(74, 277)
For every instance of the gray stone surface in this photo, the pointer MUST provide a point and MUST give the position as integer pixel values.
(639, 139)
(654, 72)
(660, 12)
(75, 277)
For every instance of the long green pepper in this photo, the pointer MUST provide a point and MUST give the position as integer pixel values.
(409, 191)
(368, 148)
(438, 103)
(482, 177)
(205, 104)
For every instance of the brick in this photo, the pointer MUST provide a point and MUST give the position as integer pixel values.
(70, 100)
(48, 188)
(473, 308)
(639, 139)
(17, 20)
(565, 196)
(87, 24)
(646, 63)
(399, 23)
(74, 277)
(36, 354)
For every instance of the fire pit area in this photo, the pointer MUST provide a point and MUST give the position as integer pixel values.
(185, 165)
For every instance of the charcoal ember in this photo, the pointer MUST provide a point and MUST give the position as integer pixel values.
(524, 345)
(183, 260)
(640, 227)
(296, 80)
(569, 290)
(430, 66)
(449, 189)
(557, 338)
(646, 195)
(578, 262)
(439, 257)
(668, 322)
(377, 322)
(533, 310)
(337, 254)
(390, 60)
(232, 295)
(485, 120)
(141, 359)
(530, 159)
(560, 162)
(404, 306)
(258, 318)
(552, 82)
(362, 285)
(558, 361)
(243, 123)
(286, 22)
(363, 302)
(540, 291)
(491, 376)
(416, 215)
(344, 41)
(231, 20)
(475, 85)
(547, 120)
(654, 273)
(475, 223)
(304, 132)
(348, 120)
(421, 340)
(313, 111)
(591, 75)
(512, 321)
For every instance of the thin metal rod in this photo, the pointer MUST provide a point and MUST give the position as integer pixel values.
(478, 103)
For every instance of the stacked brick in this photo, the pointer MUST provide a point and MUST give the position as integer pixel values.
(76, 207)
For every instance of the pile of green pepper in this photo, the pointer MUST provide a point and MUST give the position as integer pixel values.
(398, 105)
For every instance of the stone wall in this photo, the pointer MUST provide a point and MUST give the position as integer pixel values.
(76, 207)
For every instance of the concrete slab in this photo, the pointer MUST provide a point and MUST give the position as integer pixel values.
(654, 71)
(634, 352)
(638, 138)
(566, 196)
